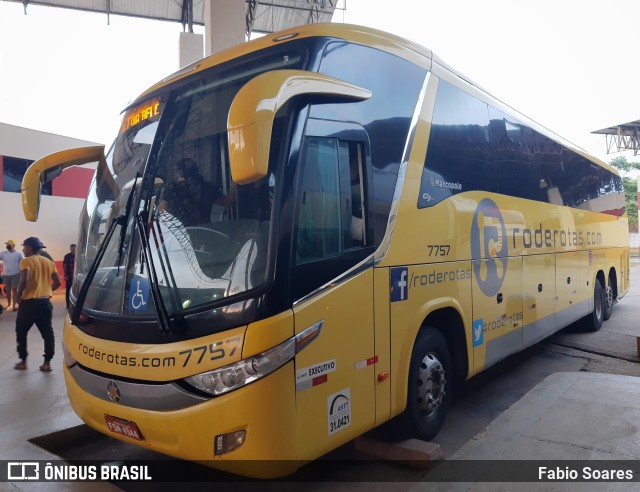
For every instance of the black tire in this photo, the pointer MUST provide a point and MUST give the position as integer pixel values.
(593, 321)
(430, 389)
(609, 299)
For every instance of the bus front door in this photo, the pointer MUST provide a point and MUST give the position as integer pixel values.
(335, 393)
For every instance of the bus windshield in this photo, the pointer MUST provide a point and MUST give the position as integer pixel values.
(207, 237)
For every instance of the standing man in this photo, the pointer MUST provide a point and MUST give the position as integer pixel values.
(68, 265)
(38, 278)
(11, 274)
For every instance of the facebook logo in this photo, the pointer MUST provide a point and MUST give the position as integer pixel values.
(399, 284)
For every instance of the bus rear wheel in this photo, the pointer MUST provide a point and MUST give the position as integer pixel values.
(430, 388)
(593, 321)
(609, 299)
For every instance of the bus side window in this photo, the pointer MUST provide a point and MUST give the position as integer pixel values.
(459, 157)
(352, 188)
(318, 216)
(331, 213)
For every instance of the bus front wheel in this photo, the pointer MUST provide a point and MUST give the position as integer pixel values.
(430, 388)
(593, 321)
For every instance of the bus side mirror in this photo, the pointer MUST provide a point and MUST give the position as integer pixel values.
(47, 169)
(254, 108)
(51, 174)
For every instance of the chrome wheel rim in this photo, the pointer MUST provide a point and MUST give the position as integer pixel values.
(431, 384)
(608, 295)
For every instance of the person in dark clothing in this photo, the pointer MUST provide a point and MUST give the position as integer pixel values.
(38, 279)
(192, 199)
(188, 196)
(68, 264)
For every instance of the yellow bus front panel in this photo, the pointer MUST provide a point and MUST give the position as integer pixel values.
(265, 410)
(141, 381)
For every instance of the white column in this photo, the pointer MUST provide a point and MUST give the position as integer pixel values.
(224, 24)
(191, 48)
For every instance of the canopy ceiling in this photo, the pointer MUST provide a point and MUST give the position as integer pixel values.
(262, 16)
(625, 136)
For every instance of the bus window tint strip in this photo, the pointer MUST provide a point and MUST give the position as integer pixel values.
(476, 147)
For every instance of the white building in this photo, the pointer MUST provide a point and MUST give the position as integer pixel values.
(62, 200)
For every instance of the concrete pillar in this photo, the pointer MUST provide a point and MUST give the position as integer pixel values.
(191, 48)
(224, 24)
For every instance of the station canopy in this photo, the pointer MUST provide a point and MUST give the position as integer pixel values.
(264, 16)
(622, 137)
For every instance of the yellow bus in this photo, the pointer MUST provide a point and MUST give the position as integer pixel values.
(296, 240)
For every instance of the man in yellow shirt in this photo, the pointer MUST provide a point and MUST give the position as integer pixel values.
(38, 279)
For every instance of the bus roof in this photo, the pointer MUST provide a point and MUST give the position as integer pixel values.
(381, 40)
(372, 37)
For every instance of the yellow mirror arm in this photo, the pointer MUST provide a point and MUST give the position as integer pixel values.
(34, 177)
(254, 108)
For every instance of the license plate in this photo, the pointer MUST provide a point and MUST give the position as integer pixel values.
(124, 427)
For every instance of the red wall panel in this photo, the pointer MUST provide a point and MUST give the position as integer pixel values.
(73, 182)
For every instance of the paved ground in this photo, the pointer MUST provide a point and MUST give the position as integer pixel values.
(34, 403)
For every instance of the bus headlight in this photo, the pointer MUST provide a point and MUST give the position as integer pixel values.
(233, 376)
(69, 360)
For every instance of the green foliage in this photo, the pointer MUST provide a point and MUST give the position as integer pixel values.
(624, 166)
(630, 188)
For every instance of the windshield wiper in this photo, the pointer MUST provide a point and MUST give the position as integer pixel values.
(155, 232)
(123, 221)
(164, 318)
(86, 284)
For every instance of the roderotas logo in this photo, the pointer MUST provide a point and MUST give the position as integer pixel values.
(489, 244)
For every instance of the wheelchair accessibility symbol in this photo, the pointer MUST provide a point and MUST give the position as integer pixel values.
(139, 294)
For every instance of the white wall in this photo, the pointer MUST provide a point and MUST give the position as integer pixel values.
(57, 225)
(23, 143)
